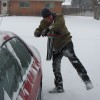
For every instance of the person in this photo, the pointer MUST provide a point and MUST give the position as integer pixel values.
(60, 44)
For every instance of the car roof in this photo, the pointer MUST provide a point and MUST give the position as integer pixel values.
(5, 35)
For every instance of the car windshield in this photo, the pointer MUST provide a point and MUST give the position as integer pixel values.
(14, 61)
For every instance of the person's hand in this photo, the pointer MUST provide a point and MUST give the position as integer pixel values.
(37, 34)
(45, 32)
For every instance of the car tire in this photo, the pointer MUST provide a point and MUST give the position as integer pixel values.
(39, 94)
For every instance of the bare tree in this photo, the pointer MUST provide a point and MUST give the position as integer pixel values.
(85, 4)
(94, 2)
(75, 3)
(96, 6)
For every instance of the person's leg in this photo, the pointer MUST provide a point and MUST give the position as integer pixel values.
(58, 81)
(69, 52)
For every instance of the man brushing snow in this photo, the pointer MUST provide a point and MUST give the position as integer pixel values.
(60, 44)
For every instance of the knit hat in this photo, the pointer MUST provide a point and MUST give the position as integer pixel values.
(45, 13)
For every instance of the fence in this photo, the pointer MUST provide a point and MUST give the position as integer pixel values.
(78, 11)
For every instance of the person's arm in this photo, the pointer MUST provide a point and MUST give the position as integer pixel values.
(43, 25)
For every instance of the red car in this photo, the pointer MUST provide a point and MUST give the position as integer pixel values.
(20, 69)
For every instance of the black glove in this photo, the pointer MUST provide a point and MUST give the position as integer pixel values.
(37, 34)
(45, 32)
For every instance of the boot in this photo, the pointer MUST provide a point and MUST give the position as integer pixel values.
(56, 90)
(87, 81)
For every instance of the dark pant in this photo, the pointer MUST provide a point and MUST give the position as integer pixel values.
(67, 51)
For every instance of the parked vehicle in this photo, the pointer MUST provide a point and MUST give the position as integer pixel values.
(20, 69)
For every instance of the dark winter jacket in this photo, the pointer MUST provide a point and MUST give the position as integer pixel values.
(57, 27)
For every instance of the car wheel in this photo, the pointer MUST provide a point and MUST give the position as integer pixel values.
(39, 94)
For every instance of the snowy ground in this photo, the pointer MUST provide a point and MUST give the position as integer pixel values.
(86, 38)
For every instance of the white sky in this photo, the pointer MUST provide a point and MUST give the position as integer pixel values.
(85, 33)
(67, 2)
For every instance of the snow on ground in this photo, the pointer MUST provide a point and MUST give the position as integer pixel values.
(86, 38)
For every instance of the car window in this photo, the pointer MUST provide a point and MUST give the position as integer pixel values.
(22, 53)
(9, 73)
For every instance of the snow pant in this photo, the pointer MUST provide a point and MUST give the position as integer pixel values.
(67, 51)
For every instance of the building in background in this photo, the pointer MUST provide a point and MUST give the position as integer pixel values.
(29, 7)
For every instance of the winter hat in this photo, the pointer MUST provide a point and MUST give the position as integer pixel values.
(45, 13)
